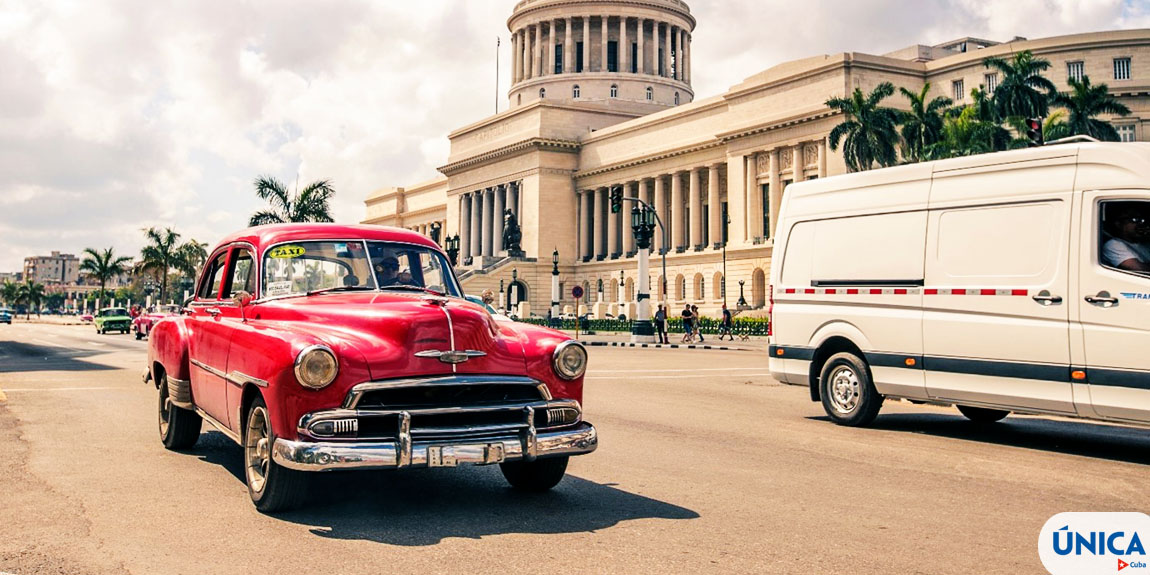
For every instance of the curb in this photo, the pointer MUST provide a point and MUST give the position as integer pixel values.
(662, 345)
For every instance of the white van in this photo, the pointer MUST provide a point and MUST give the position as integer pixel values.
(1008, 282)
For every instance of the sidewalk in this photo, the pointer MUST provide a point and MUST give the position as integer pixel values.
(614, 339)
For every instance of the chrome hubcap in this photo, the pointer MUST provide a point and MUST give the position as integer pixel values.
(844, 390)
(257, 454)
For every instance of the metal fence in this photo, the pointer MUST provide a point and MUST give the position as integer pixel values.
(709, 326)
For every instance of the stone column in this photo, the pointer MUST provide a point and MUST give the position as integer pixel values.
(568, 49)
(476, 223)
(681, 58)
(686, 57)
(464, 226)
(822, 144)
(603, 47)
(513, 202)
(488, 223)
(776, 192)
(497, 214)
(587, 43)
(676, 226)
(612, 232)
(754, 199)
(661, 209)
(514, 58)
(696, 210)
(624, 47)
(537, 53)
(552, 38)
(629, 191)
(524, 53)
(714, 200)
(640, 36)
(799, 163)
(597, 218)
(581, 228)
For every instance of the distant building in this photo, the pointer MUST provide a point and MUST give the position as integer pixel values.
(56, 269)
(15, 277)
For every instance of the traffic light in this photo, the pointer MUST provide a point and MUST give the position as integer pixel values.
(616, 200)
(1034, 132)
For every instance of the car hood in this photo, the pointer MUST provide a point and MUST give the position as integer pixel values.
(404, 334)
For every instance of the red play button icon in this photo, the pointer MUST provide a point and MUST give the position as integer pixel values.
(1122, 564)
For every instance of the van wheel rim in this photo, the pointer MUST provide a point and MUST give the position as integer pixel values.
(845, 388)
(256, 449)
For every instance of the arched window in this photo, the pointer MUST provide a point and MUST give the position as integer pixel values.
(676, 98)
(680, 288)
(719, 287)
(542, 93)
(614, 91)
(699, 287)
(650, 93)
(519, 100)
(575, 92)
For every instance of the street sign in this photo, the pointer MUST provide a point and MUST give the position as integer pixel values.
(577, 292)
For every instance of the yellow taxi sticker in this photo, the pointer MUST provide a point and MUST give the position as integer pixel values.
(286, 252)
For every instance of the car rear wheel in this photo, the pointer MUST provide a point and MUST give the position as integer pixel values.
(179, 427)
(982, 414)
(848, 395)
(537, 476)
(272, 487)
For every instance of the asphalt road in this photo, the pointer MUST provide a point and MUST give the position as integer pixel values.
(705, 465)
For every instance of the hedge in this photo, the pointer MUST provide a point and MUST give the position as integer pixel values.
(709, 326)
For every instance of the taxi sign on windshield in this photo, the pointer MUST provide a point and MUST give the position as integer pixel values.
(286, 252)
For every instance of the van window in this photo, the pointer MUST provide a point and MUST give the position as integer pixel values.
(1124, 236)
(884, 249)
(1019, 241)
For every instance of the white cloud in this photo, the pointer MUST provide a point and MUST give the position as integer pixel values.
(121, 114)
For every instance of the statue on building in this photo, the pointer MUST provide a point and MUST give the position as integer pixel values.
(436, 229)
(512, 235)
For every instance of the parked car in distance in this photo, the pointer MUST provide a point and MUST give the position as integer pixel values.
(113, 319)
(142, 324)
(87, 318)
(998, 283)
(320, 347)
(5, 315)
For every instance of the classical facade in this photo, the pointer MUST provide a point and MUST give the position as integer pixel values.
(587, 115)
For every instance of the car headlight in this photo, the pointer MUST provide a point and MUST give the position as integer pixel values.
(570, 359)
(316, 367)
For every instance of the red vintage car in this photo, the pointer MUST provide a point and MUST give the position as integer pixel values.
(322, 347)
(142, 324)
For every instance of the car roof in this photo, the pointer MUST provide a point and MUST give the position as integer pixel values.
(263, 236)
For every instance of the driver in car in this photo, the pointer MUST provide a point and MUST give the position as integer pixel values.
(388, 271)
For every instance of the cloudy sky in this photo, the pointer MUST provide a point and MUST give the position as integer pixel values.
(117, 115)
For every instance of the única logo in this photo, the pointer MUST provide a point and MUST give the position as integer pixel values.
(1090, 543)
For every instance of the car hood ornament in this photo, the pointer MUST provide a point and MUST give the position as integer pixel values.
(452, 357)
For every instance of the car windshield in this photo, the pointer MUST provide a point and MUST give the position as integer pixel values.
(406, 266)
(303, 267)
(114, 312)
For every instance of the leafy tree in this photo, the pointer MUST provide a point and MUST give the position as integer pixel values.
(922, 125)
(160, 255)
(55, 301)
(869, 129)
(965, 135)
(1083, 103)
(1023, 92)
(32, 296)
(307, 205)
(10, 293)
(193, 254)
(104, 265)
(1055, 126)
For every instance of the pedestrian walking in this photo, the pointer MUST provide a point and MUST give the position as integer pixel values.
(688, 324)
(726, 325)
(696, 323)
(661, 324)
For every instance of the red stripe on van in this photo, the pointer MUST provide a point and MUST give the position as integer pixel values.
(832, 291)
(852, 291)
(957, 292)
(789, 290)
(1020, 292)
(930, 291)
(809, 291)
(988, 292)
(900, 292)
(876, 292)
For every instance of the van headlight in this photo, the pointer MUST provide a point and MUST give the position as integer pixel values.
(316, 367)
(570, 359)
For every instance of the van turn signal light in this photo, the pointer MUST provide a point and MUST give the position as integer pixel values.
(779, 351)
(910, 362)
(1078, 375)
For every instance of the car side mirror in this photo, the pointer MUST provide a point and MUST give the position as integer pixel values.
(242, 300)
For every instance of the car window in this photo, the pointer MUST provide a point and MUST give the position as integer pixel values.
(300, 267)
(243, 274)
(1124, 236)
(405, 265)
(210, 288)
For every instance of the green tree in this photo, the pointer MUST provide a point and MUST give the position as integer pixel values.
(965, 135)
(308, 205)
(1023, 92)
(1055, 126)
(922, 125)
(32, 296)
(104, 265)
(1084, 103)
(870, 130)
(10, 293)
(161, 254)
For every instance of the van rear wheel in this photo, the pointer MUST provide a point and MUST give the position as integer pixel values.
(982, 414)
(848, 395)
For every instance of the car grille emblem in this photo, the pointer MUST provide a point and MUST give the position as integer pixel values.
(452, 357)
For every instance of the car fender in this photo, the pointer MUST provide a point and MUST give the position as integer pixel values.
(168, 346)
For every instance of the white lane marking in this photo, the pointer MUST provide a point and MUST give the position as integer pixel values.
(42, 342)
(40, 389)
(674, 376)
(97, 344)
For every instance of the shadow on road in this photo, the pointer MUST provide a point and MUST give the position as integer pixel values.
(24, 357)
(416, 507)
(1085, 439)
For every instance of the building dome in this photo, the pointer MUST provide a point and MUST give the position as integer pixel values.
(559, 53)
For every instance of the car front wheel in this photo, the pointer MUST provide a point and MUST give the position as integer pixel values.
(272, 487)
(179, 427)
(537, 476)
(848, 395)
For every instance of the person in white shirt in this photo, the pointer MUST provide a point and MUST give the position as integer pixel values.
(1128, 249)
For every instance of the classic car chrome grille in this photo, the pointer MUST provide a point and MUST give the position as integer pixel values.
(466, 395)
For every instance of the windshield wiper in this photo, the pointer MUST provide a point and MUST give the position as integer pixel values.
(340, 288)
(412, 288)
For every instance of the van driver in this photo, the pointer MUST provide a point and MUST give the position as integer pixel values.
(1128, 249)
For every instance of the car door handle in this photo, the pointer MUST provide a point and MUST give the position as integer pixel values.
(1045, 298)
(213, 311)
(1103, 299)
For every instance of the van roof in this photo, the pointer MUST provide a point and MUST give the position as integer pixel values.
(1104, 165)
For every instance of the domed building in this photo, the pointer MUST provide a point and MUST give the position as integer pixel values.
(601, 98)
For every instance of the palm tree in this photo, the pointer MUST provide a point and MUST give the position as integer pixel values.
(192, 255)
(1023, 91)
(308, 205)
(10, 293)
(1055, 126)
(104, 265)
(869, 129)
(966, 135)
(31, 294)
(1083, 103)
(161, 255)
(922, 125)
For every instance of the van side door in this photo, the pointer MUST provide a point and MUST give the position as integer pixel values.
(1114, 310)
(995, 326)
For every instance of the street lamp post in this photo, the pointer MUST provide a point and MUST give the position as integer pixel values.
(555, 321)
(502, 295)
(643, 226)
(513, 290)
(742, 300)
(723, 236)
(451, 244)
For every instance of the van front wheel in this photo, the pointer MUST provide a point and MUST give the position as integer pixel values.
(848, 395)
(982, 414)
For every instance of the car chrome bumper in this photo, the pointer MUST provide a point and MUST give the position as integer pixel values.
(328, 456)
